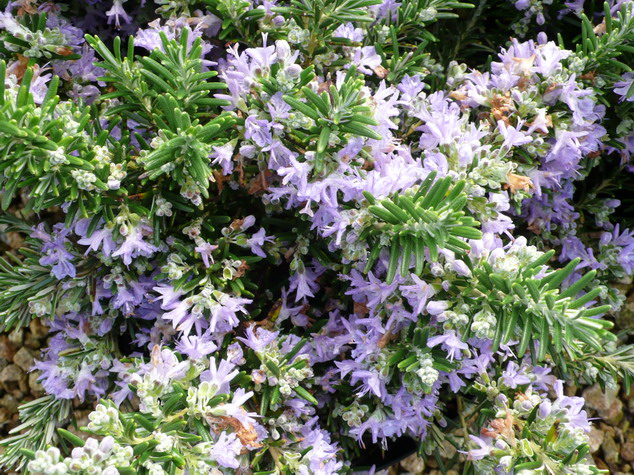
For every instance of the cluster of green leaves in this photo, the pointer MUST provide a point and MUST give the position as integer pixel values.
(538, 448)
(32, 39)
(137, 430)
(239, 19)
(400, 60)
(407, 358)
(429, 218)
(322, 17)
(615, 364)
(197, 274)
(617, 41)
(531, 309)
(168, 93)
(187, 145)
(271, 395)
(24, 282)
(142, 83)
(36, 152)
(40, 419)
(413, 17)
(336, 111)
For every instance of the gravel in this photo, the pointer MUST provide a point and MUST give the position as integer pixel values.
(18, 384)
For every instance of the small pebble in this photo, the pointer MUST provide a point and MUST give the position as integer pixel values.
(9, 402)
(7, 349)
(24, 358)
(17, 337)
(413, 464)
(607, 403)
(36, 388)
(13, 380)
(38, 329)
(610, 451)
(627, 451)
(596, 437)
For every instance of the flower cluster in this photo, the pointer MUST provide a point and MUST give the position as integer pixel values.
(266, 235)
(533, 432)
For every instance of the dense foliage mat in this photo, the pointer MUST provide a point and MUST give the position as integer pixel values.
(274, 237)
